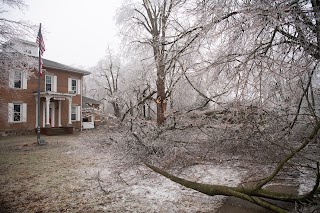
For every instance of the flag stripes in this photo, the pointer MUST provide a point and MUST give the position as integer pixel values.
(42, 48)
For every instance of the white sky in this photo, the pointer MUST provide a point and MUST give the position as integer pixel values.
(75, 32)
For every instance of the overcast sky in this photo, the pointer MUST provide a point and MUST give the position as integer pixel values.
(76, 32)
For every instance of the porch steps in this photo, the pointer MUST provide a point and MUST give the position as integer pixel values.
(57, 131)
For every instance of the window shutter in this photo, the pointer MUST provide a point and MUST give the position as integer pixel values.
(69, 84)
(10, 112)
(78, 113)
(11, 78)
(55, 82)
(24, 112)
(24, 80)
(79, 87)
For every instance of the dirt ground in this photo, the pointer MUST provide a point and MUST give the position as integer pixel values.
(88, 173)
(93, 171)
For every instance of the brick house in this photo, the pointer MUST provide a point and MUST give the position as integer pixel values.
(60, 97)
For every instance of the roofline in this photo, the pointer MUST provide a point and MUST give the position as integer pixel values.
(22, 41)
(67, 68)
(90, 99)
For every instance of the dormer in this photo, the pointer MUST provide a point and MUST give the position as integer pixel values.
(21, 46)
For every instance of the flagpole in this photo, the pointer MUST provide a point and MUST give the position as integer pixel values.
(38, 114)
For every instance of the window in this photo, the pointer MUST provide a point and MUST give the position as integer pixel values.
(17, 112)
(17, 108)
(18, 79)
(73, 113)
(49, 82)
(74, 85)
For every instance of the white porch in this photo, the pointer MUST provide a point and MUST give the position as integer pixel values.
(52, 104)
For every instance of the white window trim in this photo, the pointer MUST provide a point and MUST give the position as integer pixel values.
(24, 79)
(78, 86)
(77, 108)
(54, 82)
(23, 113)
(73, 107)
(51, 83)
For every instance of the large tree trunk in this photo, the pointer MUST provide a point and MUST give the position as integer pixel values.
(161, 96)
(116, 109)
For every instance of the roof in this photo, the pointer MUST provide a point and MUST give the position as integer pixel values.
(19, 40)
(87, 100)
(55, 65)
(47, 63)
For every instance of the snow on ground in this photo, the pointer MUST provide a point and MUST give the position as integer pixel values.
(306, 180)
(93, 171)
(135, 188)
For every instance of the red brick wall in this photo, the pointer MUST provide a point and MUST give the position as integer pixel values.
(10, 95)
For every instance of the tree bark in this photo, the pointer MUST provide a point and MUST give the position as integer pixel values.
(116, 109)
(161, 96)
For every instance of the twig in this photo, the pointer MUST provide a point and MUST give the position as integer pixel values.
(100, 186)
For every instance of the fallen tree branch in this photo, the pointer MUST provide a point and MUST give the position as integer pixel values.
(141, 102)
(305, 90)
(211, 190)
(253, 194)
(203, 95)
(100, 186)
(289, 156)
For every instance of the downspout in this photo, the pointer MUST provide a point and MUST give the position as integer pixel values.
(81, 103)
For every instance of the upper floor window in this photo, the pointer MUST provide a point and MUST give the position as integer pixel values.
(74, 85)
(18, 80)
(51, 83)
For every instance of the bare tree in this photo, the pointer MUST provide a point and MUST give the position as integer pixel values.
(11, 59)
(157, 25)
(106, 78)
(268, 53)
(12, 29)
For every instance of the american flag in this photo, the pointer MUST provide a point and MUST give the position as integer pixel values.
(42, 48)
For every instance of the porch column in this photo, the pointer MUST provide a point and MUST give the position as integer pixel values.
(59, 117)
(69, 113)
(47, 111)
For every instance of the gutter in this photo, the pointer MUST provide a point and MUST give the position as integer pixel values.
(81, 103)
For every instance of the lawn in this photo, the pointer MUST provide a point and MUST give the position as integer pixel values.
(102, 171)
(88, 172)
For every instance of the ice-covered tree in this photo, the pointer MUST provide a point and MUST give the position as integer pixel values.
(10, 58)
(162, 26)
(266, 53)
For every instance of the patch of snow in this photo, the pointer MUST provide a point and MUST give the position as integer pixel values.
(214, 174)
(159, 190)
(306, 181)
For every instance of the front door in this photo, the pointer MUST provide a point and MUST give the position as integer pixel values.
(51, 114)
